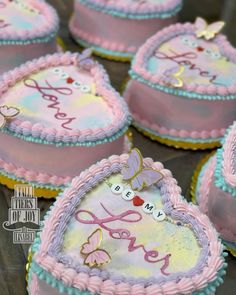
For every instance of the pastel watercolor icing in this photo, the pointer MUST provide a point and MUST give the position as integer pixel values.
(28, 30)
(69, 117)
(91, 22)
(205, 100)
(216, 188)
(180, 254)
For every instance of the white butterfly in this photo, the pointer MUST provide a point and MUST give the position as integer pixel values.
(207, 31)
(7, 113)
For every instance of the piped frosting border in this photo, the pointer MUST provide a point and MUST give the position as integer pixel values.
(44, 33)
(136, 10)
(40, 134)
(140, 73)
(225, 174)
(51, 270)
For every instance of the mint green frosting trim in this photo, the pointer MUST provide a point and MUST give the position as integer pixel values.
(123, 14)
(220, 181)
(178, 91)
(103, 50)
(33, 183)
(187, 140)
(45, 39)
(30, 138)
(55, 283)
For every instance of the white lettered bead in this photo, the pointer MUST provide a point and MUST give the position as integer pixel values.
(148, 207)
(77, 84)
(128, 194)
(117, 188)
(57, 71)
(159, 215)
(64, 75)
(85, 88)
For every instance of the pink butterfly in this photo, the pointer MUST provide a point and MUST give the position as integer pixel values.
(207, 31)
(138, 176)
(172, 77)
(7, 113)
(95, 256)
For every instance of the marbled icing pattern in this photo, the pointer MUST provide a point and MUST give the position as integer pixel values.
(164, 237)
(57, 104)
(202, 60)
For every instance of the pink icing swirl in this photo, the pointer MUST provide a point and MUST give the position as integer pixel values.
(108, 287)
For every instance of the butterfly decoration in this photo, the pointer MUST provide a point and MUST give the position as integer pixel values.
(138, 176)
(84, 61)
(172, 77)
(207, 31)
(94, 256)
(7, 113)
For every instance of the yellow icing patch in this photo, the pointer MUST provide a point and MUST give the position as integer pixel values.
(164, 237)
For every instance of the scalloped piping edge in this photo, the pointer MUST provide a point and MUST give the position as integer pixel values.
(26, 129)
(140, 73)
(175, 199)
(194, 188)
(28, 36)
(152, 11)
(225, 178)
(176, 142)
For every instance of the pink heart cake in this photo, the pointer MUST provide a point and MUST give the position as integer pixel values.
(117, 28)
(58, 115)
(96, 241)
(183, 87)
(214, 188)
(28, 30)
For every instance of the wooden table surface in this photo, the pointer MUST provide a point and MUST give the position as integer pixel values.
(181, 163)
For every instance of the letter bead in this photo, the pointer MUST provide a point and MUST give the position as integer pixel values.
(128, 194)
(76, 84)
(85, 88)
(159, 215)
(57, 71)
(148, 207)
(64, 75)
(117, 188)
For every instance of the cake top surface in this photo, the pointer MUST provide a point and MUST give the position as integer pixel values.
(22, 20)
(138, 216)
(191, 60)
(136, 8)
(62, 98)
(225, 172)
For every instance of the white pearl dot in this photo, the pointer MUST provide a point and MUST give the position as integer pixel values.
(148, 207)
(128, 194)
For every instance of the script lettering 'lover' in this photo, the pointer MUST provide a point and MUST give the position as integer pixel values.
(130, 216)
(50, 93)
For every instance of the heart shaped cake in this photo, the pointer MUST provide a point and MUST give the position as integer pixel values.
(214, 188)
(183, 87)
(98, 240)
(28, 30)
(117, 28)
(58, 115)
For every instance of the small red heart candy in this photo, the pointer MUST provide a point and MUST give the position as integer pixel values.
(70, 80)
(137, 201)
